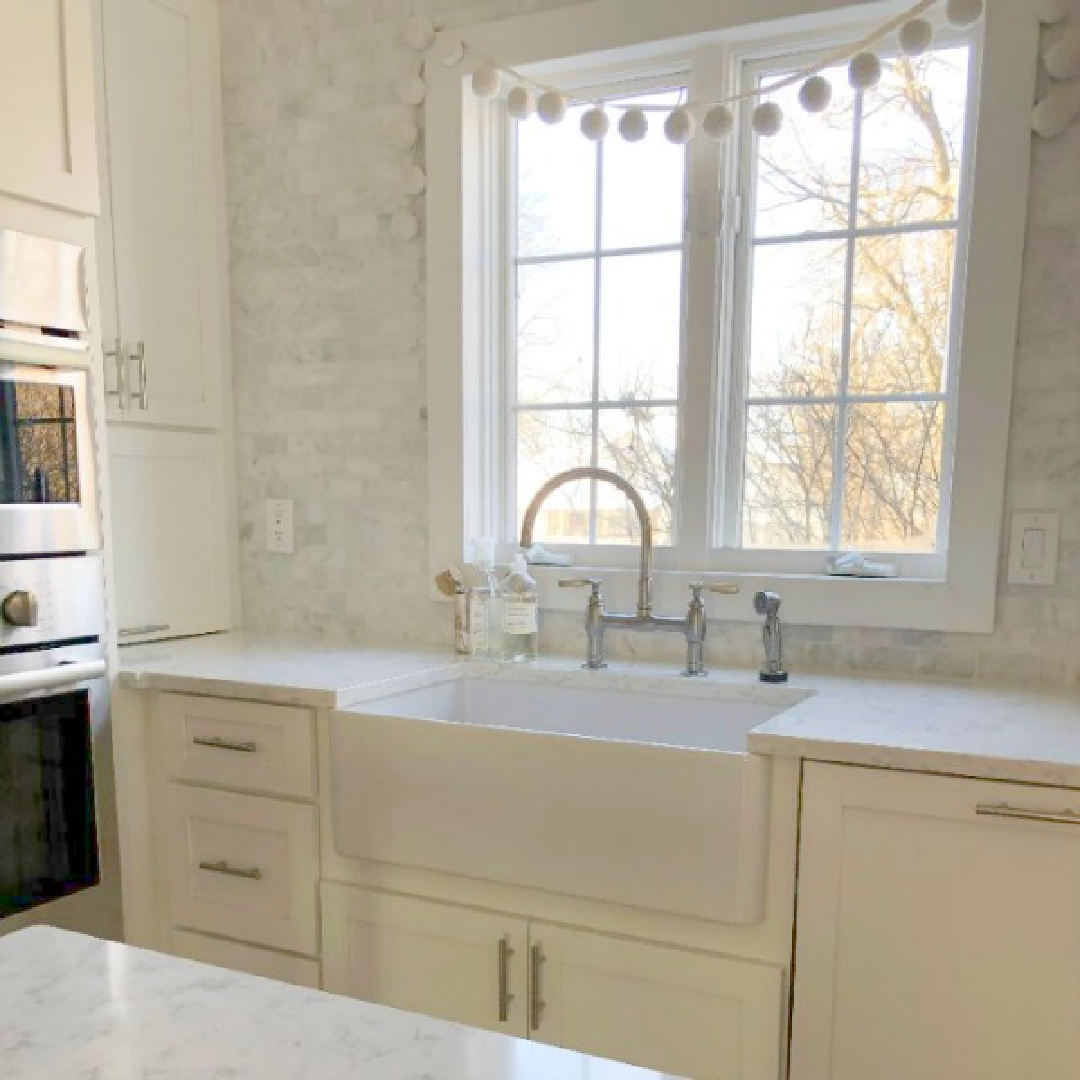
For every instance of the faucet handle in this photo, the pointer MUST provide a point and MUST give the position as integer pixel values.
(594, 583)
(725, 588)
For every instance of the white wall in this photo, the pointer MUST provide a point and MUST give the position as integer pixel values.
(328, 338)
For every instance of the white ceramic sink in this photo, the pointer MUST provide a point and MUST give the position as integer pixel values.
(698, 723)
(580, 786)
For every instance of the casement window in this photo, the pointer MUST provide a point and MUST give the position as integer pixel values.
(772, 339)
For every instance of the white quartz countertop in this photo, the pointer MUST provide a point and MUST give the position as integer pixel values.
(1024, 735)
(77, 1008)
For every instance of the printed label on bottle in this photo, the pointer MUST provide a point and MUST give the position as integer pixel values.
(519, 616)
(478, 625)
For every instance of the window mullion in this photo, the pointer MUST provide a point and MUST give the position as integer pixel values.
(598, 226)
(843, 406)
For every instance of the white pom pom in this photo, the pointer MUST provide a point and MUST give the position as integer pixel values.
(414, 181)
(718, 123)
(680, 126)
(411, 90)
(595, 124)
(963, 12)
(767, 119)
(520, 103)
(449, 49)
(916, 36)
(404, 226)
(634, 125)
(864, 71)
(815, 94)
(419, 33)
(1052, 116)
(551, 107)
(1051, 11)
(1062, 59)
(486, 82)
(403, 134)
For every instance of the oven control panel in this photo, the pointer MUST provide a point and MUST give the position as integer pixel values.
(59, 598)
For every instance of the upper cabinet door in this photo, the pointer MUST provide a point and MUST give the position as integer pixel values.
(47, 103)
(167, 312)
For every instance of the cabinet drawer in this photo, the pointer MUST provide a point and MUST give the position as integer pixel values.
(239, 744)
(246, 958)
(243, 866)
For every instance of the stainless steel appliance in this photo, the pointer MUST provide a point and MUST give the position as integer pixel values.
(53, 691)
(48, 497)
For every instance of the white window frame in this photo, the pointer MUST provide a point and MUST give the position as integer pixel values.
(466, 328)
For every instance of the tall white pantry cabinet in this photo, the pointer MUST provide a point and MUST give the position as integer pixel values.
(163, 252)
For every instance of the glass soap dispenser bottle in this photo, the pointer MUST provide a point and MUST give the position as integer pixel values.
(520, 612)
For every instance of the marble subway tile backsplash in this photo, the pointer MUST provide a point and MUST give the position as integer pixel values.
(329, 345)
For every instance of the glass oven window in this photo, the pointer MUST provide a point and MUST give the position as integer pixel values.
(38, 449)
(48, 838)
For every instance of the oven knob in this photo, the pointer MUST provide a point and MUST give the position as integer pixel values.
(20, 608)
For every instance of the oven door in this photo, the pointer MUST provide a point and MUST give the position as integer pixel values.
(50, 705)
(48, 503)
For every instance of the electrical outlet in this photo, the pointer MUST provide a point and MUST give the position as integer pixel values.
(279, 526)
(1033, 548)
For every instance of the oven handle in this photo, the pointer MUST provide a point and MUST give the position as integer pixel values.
(69, 674)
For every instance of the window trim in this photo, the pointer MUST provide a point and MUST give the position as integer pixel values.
(459, 318)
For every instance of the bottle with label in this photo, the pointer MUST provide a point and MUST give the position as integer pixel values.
(520, 613)
(484, 609)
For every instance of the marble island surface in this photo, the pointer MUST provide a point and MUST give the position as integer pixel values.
(83, 1009)
(1024, 735)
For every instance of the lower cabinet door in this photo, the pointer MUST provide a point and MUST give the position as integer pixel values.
(246, 958)
(436, 959)
(679, 1012)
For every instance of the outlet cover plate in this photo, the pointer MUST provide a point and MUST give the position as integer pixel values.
(1033, 547)
(279, 527)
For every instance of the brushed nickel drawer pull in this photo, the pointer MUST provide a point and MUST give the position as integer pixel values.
(248, 873)
(135, 631)
(116, 355)
(142, 394)
(215, 742)
(536, 987)
(1003, 810)
(505, 997)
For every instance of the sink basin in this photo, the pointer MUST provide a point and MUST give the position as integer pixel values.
(692, 722)
(583, 785)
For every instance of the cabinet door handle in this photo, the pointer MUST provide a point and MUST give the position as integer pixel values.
(536, 987)
(136, 631)
(215, 742)
(143, 393)
(505, 997)
(116, 355)
(1004, 810)
(249, 873)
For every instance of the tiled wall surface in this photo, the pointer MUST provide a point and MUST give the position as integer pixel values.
(329, 345)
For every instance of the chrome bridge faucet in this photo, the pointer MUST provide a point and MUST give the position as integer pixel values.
(597, 620)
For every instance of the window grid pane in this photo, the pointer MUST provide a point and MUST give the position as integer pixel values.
(887, 413)
(617, 394)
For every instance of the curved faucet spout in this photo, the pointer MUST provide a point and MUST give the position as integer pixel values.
(528, 522)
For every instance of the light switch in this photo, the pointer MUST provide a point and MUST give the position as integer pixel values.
(279, 526)
(1033, 548)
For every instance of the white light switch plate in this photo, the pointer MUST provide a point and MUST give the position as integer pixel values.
(1033, 548)
(279, 526)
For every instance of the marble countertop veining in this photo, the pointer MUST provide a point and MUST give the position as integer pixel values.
(75, 1007)
(1025, 735)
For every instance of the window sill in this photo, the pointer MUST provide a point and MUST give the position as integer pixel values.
(809, 599)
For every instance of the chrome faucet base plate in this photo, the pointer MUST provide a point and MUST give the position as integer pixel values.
(773, 676)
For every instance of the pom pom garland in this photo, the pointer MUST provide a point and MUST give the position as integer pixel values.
(864, 71)
(961, 13)
(404, 225)
(411, 90)
(679, 127)
(815, 94)
(486, 82)
(403, 135)
(718, 123)
(551, 107)
(520, 103)
(633, 125)
(1052, 116)
(916, 36)
(415, 181)
(1050, 12)
(419, 33)
(1062, 59)
(449, 49)
(767, 119)
(595, 124)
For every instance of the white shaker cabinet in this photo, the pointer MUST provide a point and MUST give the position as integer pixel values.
(172, 526)
(163, 234)
(938, 929)
(47, 103)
